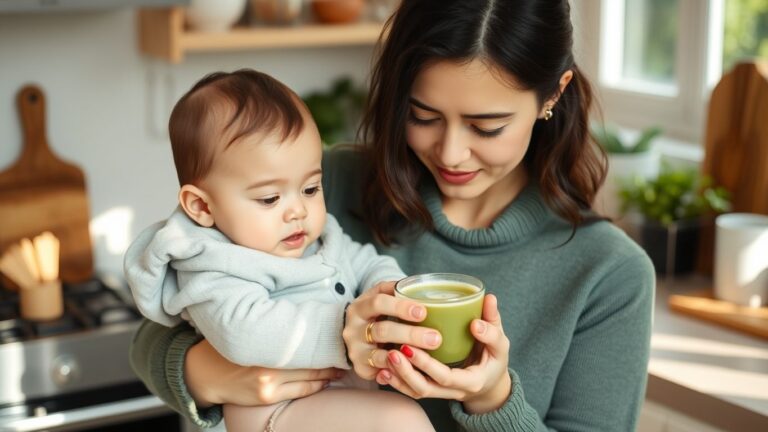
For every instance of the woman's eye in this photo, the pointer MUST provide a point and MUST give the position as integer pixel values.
(311, 191)
(488, 133)
(420, 121)
(268, 201)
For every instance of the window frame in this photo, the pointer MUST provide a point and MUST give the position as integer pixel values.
(681, 113)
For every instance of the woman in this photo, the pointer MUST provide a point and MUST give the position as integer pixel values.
(477, 161)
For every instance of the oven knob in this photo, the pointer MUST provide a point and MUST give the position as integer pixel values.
(65, 370)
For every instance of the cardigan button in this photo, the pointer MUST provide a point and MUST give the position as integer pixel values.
(340, 288)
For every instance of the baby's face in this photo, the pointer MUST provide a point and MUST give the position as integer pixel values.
(266, 195)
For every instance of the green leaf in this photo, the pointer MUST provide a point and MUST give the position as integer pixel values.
(643, 143)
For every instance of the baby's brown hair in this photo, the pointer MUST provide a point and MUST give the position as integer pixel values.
(259, 103)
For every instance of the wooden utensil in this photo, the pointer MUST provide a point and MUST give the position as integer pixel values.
(33, 266)
(40, 192)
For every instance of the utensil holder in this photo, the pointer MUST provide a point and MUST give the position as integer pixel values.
(42, 302)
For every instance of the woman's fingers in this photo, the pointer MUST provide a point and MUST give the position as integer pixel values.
(491, 310)
(405, 378)
(299, 389)
(378, 302)
(399, 333)
(440, 373)
(292, 375)
(489, 330)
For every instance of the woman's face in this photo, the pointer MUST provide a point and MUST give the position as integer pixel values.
(471, 129)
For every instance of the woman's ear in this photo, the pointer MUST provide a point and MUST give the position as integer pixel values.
(194, 201)
(565, 79)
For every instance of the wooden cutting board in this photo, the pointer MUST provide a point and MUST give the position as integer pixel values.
(41, 192)
(736, 139)
(703, 305)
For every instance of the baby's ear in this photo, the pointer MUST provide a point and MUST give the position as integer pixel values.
(194, 201)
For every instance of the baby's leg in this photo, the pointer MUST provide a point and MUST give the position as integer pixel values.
(345, 409)
(248, 419)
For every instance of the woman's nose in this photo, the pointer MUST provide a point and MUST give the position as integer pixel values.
(453, 148)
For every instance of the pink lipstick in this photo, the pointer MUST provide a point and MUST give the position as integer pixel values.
(457, 177)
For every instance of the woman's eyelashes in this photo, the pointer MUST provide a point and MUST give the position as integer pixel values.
(484, 133)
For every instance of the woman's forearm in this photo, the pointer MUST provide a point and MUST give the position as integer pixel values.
(157, 355)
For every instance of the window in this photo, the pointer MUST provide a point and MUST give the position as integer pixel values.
(654, 62)
(745, 31)
(640, 45)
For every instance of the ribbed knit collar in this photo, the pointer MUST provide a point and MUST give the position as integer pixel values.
(523, 217)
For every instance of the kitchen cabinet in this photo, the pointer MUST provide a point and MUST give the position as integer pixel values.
(162, 34)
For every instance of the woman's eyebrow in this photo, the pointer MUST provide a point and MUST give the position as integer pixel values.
(483, 116)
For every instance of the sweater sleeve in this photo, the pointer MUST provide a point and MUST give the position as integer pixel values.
(157, 355)
(601, 384)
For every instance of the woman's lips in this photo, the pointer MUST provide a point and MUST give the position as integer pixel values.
(295, 240)
(457, 177)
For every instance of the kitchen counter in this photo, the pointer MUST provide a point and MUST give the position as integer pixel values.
(708, 372)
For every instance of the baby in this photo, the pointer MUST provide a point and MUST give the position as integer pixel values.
(251, 258)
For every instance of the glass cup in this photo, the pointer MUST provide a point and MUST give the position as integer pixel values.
(452, 301)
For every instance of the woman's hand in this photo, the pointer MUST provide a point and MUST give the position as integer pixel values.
(482, 387)
(365, 318)
(212, 379)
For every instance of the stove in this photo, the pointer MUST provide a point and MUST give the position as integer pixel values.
(72, 373)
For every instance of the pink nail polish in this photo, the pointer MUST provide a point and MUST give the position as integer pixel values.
(393, 358)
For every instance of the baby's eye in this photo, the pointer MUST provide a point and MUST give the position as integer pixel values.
(312, 190)
(269, 201)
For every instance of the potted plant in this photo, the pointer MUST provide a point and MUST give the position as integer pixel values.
(337, 110)
(673, 207)
(628, 156)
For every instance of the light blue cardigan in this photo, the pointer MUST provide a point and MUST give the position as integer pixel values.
(254, 308)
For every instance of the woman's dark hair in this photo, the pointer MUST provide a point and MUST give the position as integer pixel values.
(530, 40)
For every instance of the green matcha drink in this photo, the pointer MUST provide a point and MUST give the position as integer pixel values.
(452, 301)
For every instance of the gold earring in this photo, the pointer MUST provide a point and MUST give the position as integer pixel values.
(548, 113)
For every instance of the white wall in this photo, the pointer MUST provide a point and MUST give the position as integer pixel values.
(108, 106)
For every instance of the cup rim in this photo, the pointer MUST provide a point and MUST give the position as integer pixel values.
(742, 221)
(443, 276)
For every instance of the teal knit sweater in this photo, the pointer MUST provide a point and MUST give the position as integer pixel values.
(577, 313)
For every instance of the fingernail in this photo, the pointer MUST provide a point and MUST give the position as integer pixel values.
(394, 358)
(417, 312)
(405, 349)
(431, 338)
(385, 375)
(480, 327)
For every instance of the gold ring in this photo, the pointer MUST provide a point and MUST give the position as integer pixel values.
(369, 333)
(370, 358)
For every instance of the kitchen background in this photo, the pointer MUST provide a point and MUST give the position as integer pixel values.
(108, 107)
(107, 111)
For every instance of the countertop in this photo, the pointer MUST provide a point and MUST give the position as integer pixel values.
(705, 371)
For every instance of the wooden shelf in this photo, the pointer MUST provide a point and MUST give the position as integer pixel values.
(162, 34)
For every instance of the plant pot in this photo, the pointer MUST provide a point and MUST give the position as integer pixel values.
(673, 249)
(623, 166)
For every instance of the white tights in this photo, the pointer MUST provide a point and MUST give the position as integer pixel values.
(334, 410)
